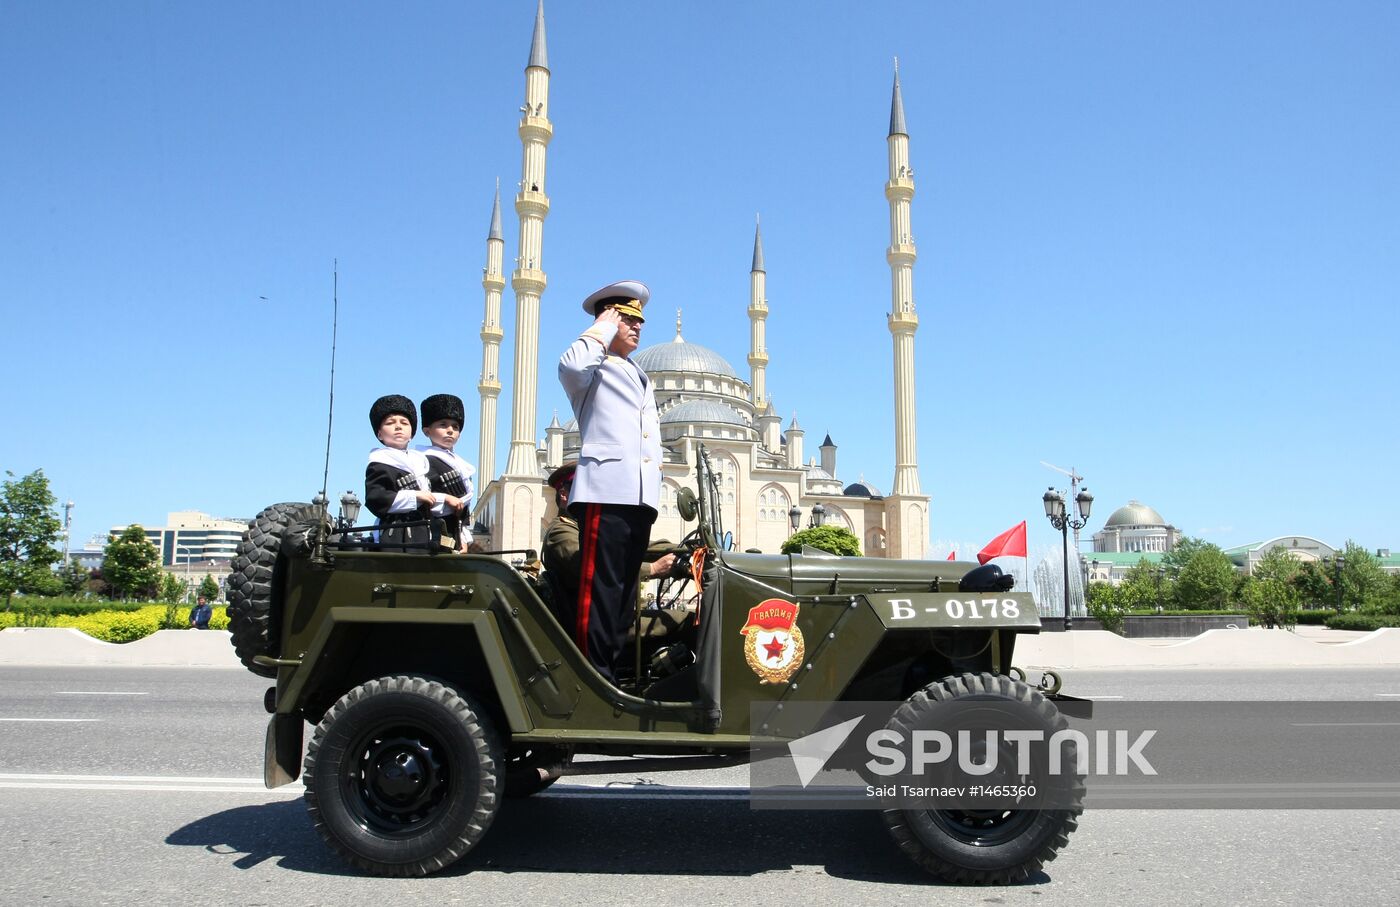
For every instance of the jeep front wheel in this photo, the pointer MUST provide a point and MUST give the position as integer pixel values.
(403, 776)
(983, 846)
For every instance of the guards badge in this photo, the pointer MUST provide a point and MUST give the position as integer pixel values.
(773, 645)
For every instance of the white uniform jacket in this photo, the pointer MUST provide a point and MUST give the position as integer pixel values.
(619, 434)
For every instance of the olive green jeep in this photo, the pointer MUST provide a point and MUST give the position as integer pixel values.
(439, 685)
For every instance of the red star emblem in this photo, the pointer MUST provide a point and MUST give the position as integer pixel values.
(775, 648)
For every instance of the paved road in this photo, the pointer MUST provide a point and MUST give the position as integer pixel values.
(142, 785)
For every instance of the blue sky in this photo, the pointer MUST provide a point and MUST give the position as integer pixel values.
(1157, 241)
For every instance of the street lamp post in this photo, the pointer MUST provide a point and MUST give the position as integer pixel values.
(67, 530)
(1063, 521)
(189, 563)
(818, 517)
(1338, 563)
(349, 509)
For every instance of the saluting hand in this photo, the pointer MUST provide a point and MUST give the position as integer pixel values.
(609, 316)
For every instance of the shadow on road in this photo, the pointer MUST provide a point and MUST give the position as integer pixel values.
(625, 837)
(278, 831)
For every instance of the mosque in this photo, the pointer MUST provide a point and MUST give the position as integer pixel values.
(768, 481)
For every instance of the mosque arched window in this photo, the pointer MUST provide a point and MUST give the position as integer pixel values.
(773, 504)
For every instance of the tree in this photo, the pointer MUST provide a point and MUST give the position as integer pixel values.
(835, 539)
(1365, 585)
(131, 564)
(1103, 605)
(209, 588)
(74, 578)
(1314, 584)
(1140, 586)
(1271, 594)
(172, 588)
(28, 529)
(1203, 578)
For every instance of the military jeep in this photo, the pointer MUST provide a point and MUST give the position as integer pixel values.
(439, 685)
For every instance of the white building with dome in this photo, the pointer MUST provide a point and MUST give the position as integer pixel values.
(764, 471)
(1138, 529)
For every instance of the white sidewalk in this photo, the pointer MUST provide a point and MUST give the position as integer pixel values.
(1076, 649)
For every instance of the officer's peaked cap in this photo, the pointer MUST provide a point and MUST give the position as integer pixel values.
(627, 296)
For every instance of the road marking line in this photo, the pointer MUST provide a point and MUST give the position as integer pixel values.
(198, 779)
(50, 719)
(1388, 694)
(1102, 697)
(181, 788)
(1346, 724)
(99, 693)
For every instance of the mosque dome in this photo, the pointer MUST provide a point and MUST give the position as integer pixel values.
(862, 489)
(703, 411)
(682, 356)
(1134, 513)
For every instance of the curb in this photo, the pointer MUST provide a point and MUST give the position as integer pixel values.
(64, 646)
(52, 646)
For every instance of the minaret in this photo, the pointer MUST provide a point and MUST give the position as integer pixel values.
(554, 444)
(758, 313)
(903, 322)
(828, 452)
(528, 279)
(794, 444)
(491, 334)
(906, 509)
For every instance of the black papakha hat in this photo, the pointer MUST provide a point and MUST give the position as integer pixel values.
(389, 405)
(442, 406)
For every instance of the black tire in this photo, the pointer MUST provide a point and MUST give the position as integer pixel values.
(532, 770)
(403, 776)
(983, 847)
(254, 584)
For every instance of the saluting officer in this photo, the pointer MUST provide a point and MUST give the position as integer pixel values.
(617, 485)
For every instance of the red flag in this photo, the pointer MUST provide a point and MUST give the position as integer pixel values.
(1011, 543)
(952, 555)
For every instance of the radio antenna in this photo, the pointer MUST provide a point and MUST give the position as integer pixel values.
(330, 409)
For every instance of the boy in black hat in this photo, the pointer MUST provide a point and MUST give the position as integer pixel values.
(449, 476)
(397, 489)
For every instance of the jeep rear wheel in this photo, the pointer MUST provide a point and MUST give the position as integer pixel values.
(403, 776)
(982, 846)
(254, 583)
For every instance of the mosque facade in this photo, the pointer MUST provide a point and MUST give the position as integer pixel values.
(767, 477)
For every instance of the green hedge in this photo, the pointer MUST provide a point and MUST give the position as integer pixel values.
(1315, 617)
(1356, 621)
(54, 607)
(111, 625)
(1153, 612)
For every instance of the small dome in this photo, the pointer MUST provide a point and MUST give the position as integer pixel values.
(862, 489)
(1135, 513)
(711, 411)
(682, 356)
(815, 472)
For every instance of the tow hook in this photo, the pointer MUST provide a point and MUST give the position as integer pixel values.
(1050, 682)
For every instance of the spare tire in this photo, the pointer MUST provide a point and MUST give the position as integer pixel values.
(255, 583)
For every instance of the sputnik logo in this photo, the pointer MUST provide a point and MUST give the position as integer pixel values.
(811, 753)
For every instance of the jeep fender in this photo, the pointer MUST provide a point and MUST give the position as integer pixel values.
(313, 666)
